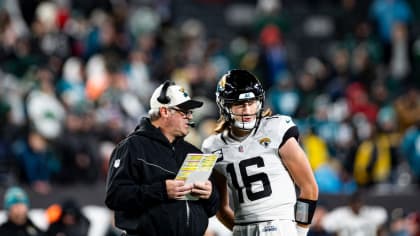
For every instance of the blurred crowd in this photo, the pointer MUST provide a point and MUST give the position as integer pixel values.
(76, 76)
(68, 217)
(63, 218)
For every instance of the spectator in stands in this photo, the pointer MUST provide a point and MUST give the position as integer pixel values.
(381, 94)
(356, 218)
(16, 203)
(414, 223)
(398, 223)
(283, 97)
(416, 60)
(46, 112)
(348, 15)
(37, 161)
(271, 12)
(308, 91)
(273, 55)
(71, 222)
(79, 150)
(362, 68)
(400, 64)
(410, 149)
(316, 149)
(71, 86)
(375, 158)
(385, 13)
(407, 108)
(360, 102)
(8, 133)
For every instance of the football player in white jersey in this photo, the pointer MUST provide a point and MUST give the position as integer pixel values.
(260, 161)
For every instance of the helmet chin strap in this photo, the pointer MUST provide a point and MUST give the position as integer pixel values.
(245, 125)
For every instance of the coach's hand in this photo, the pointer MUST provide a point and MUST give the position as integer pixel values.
(176, 189)
(202, 189)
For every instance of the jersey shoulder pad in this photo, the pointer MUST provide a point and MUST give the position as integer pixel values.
(212, 143)
(277, 122)
(276, 126)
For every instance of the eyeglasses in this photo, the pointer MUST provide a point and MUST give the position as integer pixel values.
(182, 112)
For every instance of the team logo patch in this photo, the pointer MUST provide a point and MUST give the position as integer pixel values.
(117, 163)
(265, 141)
(182, 90)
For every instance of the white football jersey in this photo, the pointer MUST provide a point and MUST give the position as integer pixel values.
(261, 186)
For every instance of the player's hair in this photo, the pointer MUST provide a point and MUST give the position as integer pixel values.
(223, 124)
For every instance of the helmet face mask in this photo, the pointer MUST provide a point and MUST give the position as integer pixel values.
(235, 87)
(246, 120)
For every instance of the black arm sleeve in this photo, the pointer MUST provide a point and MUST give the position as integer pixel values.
(123, 193)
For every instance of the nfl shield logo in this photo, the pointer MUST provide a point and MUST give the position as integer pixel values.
(241, 148)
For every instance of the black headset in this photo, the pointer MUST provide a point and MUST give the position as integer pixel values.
(163, 98)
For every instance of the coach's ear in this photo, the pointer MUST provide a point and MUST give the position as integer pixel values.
(164, 112)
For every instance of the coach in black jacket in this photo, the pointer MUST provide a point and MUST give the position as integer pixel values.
(140, 186)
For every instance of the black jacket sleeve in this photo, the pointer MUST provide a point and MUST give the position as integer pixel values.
(123, 193)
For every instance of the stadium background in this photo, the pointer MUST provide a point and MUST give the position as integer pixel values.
(75, 76)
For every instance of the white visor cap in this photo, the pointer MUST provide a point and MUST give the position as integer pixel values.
(178, 97)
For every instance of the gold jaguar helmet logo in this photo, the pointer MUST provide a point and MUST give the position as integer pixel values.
(222, 84)
(182, 90)
(265, 141)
